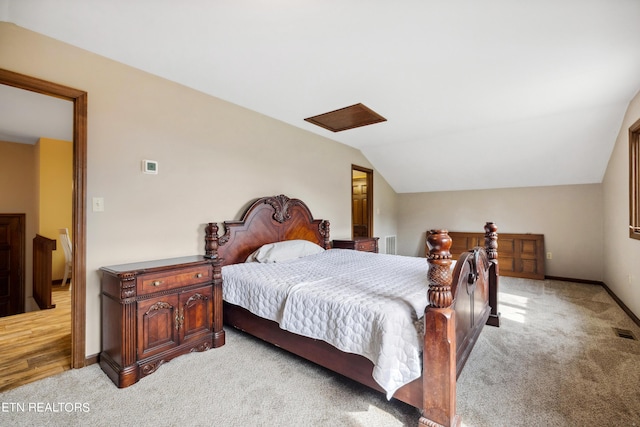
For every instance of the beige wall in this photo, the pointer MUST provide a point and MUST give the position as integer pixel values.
(18, 194)
(214, 157)
(622, 254)
(570, 217)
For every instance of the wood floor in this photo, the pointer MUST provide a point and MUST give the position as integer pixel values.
(36, 345)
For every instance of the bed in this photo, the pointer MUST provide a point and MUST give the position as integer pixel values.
(446, 303)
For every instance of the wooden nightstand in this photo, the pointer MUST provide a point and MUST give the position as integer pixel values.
(365, 244)
(157, 310)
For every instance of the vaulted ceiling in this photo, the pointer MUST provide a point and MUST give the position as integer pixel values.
(477, 94)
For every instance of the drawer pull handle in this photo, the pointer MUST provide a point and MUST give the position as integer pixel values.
(156, 282)
(199, 275)
(179, 319)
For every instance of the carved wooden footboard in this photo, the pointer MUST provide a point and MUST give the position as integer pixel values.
(461, 301)
(458, 309)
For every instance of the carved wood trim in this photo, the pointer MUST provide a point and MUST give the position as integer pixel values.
(281, 205)
(439, 275)
(161, 305)
(267, 220)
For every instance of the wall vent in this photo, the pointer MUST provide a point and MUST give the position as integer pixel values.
(390, 244)
(624, 333)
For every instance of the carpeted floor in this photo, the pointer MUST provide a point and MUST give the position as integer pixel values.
(554, 362)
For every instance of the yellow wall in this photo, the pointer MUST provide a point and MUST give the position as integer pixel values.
(18, 194)
(55, 195)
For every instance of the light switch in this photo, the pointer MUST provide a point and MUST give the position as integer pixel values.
(98, 204)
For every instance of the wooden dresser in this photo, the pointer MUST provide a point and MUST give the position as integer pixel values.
(157, 310)
(365, 244)
(519, 255)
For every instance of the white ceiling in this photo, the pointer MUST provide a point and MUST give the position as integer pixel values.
(26, 116)
(476, 93)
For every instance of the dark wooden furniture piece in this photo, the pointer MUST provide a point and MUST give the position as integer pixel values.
(43, 248)
(459, 303)
(157, 310)
(521, 255)
(12, 263)
(364, 244)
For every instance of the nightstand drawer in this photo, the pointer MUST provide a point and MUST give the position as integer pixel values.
(366, 245)
(149, 283)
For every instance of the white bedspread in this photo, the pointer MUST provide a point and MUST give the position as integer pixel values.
(359, 302)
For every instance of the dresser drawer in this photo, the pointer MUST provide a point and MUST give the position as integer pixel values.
(149, 283)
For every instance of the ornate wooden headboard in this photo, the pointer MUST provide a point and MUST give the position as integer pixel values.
(267, 220)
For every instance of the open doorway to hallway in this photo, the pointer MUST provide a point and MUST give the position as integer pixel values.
(77, 297)
(361, 201)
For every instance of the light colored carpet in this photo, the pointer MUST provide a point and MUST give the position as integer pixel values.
(554, 362)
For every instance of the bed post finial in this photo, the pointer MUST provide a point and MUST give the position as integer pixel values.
(439, 274)
(211, 241)
(491, 240)
(491, 247)
(324, 229)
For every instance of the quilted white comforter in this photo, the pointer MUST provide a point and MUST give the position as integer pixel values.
(359, 302)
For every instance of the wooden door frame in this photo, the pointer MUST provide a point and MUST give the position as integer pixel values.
(78, 295)
(369, 173)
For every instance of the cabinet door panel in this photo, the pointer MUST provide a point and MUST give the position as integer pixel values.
(156, 325)
(196, 307)
(519, 255)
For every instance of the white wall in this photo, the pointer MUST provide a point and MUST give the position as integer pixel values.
(569, 216)
(214, 157)
(621, 253)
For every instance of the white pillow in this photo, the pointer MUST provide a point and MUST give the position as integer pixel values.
(283, 251)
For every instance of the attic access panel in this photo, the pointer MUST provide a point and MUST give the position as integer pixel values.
(346, 118)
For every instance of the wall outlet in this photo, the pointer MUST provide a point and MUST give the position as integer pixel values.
(549, 255)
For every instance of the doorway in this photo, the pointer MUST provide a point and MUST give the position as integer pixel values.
(361, 201)
(78, 295)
